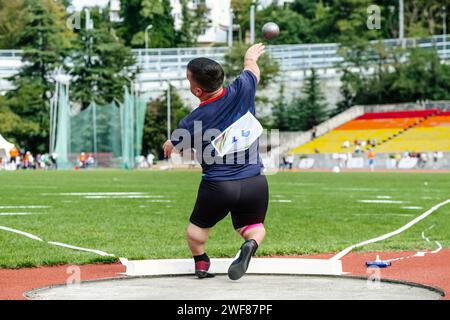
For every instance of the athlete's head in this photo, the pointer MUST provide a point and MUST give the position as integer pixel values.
(205, 76)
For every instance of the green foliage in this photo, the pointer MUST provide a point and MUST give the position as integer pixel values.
(102, 63)
(138, 14)
(12, 22)
(234, 64)
(399, 76)
(45, 42)
(155, 127)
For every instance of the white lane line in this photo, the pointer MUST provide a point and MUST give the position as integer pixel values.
(101, 253)
(391, 234)
(31, 236)
(287, 201)
(93, 193)
(384, 214)
(16, 213)
(384, 197)
(122, 197)
(24, 207)
(439, 248)
(381, 201)
(28, 235)
(412, 208)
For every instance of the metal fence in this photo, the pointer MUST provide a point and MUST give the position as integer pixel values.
(290, 57)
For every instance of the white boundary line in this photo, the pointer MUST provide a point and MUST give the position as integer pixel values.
(101, 253)
(29, 235)
(346, 251)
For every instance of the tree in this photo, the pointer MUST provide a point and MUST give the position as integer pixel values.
(12, 22)
(138, 14)
(312, 106)
(155, 128)
(281, 110)
(234, 64)
(398, 76)
(45, 42)
(102, 63)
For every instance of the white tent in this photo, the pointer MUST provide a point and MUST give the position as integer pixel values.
(5, 147)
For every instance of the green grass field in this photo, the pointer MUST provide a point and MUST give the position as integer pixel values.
(320, 213)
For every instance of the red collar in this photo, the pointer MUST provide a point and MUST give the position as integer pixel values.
(224, 90)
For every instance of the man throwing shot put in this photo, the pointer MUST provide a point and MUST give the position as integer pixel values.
(232, 183)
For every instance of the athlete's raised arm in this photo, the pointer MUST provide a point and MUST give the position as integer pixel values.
(251, 58)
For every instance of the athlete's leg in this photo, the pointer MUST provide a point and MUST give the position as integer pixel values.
(196, 238)
(248, 218)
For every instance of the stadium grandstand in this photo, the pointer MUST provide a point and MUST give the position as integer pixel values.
(386, 132)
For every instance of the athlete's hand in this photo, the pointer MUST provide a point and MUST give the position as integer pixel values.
(254, 52)
(168, 148)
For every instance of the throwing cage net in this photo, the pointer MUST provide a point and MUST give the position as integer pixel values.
(104, 135)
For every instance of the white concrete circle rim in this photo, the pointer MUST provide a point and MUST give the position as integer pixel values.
(34, 293)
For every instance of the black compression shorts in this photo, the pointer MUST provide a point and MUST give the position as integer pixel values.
(246, 199)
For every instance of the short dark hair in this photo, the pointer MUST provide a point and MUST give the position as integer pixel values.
(207, 73)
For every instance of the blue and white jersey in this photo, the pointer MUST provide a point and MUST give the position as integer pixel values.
(210, 119)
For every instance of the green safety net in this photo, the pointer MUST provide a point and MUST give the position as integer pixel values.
(111, 133)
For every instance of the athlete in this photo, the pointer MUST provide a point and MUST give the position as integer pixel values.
(232, 183)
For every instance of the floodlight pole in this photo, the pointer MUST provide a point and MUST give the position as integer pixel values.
(146, 44)
(401, 26)
(230, 30)
(252, 23)
(169, 107)
(444, 30)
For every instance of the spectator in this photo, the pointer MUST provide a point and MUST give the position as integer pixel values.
(90, 162)
(423, 159)
(371, 157)
(346, 144)
(83, 160)
(397, 158)
(13, 154)
(150, 159)
(374, 142)
(54, 160)
(313, 133)
(435, 158)
(290, 161)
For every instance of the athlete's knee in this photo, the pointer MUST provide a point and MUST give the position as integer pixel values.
(260, 226)
(196, 234)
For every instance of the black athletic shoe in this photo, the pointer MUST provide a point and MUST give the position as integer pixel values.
(240, 264)
(201, 270)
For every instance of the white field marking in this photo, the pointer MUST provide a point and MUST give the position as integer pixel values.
(16, 213)
(352, 189)
(384, 214)
(94, 193)
(391, 234)
(28, 235)
(278, 196)
(421, 253)
(381, 201)
(24, 207)
(122, 197)
(101, 253)
(281, 201)
(412, 208)
(384, 197)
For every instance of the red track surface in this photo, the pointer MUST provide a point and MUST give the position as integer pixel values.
(432, 270)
